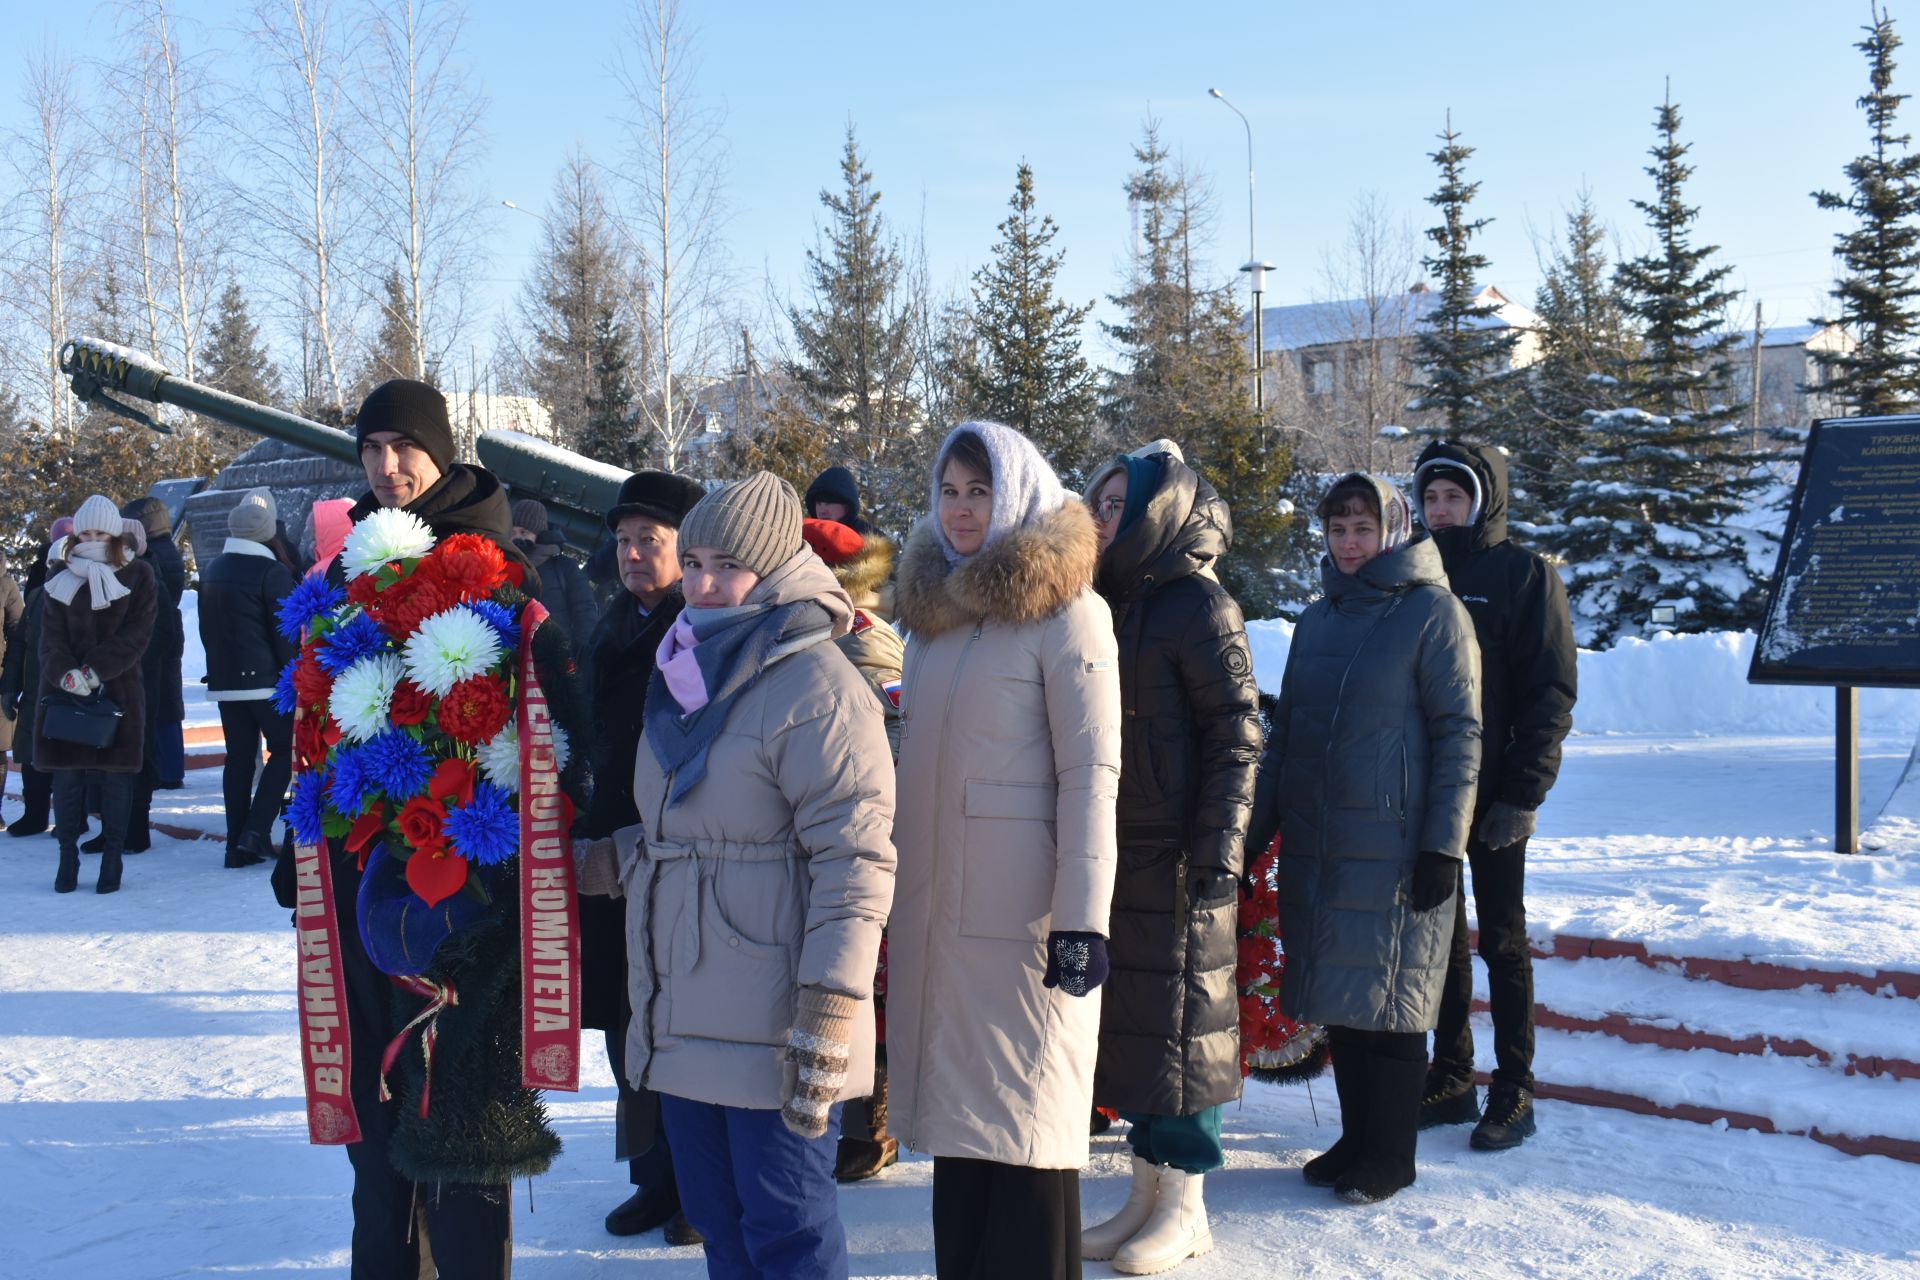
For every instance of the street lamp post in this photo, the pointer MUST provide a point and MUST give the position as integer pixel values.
(1256, 270)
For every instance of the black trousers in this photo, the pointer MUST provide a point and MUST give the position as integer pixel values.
(70, 807)
(639, 1137)
(1499, 886)
(250, 809)
(469, 1227)
(1004, 1222)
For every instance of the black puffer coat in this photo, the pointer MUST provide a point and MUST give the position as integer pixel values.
(240, 594)
(1528, 676)
(1190, 743)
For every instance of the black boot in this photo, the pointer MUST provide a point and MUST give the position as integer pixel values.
(251, 850)
(67, 878)
(109, 872)
(645, 1209)
(36, 791)
(681, 1234)
(1448, 1101)
(94, 845)
(1509, 1119)
(139, 832)
(1385, 1166)
(1349, 1082)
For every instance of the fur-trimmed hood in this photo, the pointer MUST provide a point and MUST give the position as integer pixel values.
(1024, 575)
(864, 574)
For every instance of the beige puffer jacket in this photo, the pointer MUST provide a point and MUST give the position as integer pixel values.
(1009, 769)
(775, 872)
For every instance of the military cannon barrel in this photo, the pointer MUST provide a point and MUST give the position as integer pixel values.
(98, 368)
(577, 491)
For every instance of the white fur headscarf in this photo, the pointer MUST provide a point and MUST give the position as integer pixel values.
(1025, 486)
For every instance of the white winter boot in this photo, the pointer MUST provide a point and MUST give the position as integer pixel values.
(1102, 1242)
(1176, 1231)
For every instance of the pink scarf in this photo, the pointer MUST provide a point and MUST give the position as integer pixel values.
(679, 668)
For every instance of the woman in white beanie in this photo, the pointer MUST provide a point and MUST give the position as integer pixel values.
(98, 619)
(757, 883)
(1009, 769)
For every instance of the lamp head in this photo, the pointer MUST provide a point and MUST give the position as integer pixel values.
(1213, 93)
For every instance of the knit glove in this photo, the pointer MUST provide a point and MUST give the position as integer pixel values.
(1076, 962)
(1434, 877)
(1505, 825)
(75, 681)
(596, 867)
(818, 1046)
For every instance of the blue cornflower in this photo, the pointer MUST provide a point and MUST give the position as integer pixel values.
(503, 620)
(486, 831)
(346, 645)
(307, 808)
(312, 596)
(284, 698)
(397, 764)
(352, 786)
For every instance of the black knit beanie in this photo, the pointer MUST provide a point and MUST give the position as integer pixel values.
(412, 409)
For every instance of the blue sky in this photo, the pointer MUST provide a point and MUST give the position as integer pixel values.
(1344, 98)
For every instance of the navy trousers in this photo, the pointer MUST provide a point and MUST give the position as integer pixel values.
(763, 1197)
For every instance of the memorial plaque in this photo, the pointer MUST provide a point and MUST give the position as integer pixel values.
(1844, 609)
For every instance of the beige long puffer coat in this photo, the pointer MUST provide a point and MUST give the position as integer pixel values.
(775, 872)
(1009, 769)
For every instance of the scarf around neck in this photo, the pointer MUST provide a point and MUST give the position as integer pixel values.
(86, 565)
(726, 651)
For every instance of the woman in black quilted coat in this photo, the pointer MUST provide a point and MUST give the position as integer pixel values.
(1190, 743)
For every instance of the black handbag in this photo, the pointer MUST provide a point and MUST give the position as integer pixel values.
(84, 722)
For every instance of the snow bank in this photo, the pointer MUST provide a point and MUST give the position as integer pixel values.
(1672, 684)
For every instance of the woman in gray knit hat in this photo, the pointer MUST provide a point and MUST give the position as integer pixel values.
(757, 883)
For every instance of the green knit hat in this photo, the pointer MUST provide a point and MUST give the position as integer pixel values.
(756, 521)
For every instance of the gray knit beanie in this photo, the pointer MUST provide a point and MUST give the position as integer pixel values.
(756, 521)
(254, 517)
(98, 514)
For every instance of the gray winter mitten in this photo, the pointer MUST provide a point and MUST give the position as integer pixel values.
(1505, 825)
(818, 1047)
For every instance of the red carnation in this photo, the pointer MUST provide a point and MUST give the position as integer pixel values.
(474, 710)
(403, 606)
(364, 591)
(435, 874)
(471, 566)
(411, 704)
(420, 823)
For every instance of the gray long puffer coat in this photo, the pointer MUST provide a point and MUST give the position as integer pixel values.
(1170, 1023)
(1373, 758)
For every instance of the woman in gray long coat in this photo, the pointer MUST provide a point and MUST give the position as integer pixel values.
(1369, 778)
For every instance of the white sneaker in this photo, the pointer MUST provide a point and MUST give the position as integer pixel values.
(1176, 1231)
(1102, 1242)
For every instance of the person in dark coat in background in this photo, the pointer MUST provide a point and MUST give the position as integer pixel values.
(13, 606)
(645, 523)
(1190, 742)
(98, 621)
(835, 496)
(19, 683)
(564, 589)
(165, 767)
(240, 594)
(1369, 775)
(1528, 684)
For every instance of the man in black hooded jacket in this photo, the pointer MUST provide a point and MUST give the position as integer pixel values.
(1528, 685)
(835, 496)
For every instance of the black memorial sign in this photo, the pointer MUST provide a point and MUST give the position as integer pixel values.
(1845, 604)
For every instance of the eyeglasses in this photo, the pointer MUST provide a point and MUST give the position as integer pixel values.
(1109, 509)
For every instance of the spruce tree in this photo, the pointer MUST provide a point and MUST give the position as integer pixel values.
(1660, 500)
(608, 430)
(855, 362)
(1029, 372)
(393, 351)
(234, 360)
(1462, 353)
(1878, 292)
(1183, 373)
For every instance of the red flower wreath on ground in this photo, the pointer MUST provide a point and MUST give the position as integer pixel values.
(475, 709)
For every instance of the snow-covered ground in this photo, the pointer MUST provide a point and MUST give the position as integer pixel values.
(152, 1114)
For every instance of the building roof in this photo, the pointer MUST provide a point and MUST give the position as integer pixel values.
(1787, 335)
(1319, 324)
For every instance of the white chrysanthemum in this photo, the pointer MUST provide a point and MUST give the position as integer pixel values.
(449, 647)
(500, 758)
(363, 695)
(384, 535)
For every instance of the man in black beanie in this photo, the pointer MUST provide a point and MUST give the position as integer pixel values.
(645, 524)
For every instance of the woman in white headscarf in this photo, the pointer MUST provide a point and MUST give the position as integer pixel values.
(98, 619)
(1009, 768)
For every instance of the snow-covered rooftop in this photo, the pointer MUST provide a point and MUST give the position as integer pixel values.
(1318, 324)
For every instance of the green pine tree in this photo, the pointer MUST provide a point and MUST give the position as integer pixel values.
(1462, 353)
(855, 333)
(609, 430)
(1882, 253)
(234, 359)
(1029, 372)
(394, 351)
